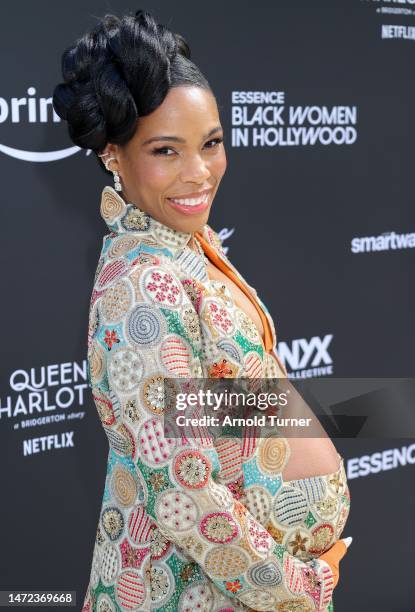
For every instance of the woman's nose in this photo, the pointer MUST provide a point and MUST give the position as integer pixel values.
(194, 170)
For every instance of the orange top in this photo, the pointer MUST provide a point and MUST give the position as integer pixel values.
(214, 257)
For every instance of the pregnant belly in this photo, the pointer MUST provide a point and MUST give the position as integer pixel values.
(309, 514)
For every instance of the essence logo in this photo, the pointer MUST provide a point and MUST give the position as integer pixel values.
(31, 110)
(307, 358)
(380, 461)
(265, 119)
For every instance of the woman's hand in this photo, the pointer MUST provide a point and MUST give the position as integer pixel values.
(334, 554)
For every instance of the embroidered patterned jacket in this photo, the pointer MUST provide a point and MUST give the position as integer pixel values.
(190, 526)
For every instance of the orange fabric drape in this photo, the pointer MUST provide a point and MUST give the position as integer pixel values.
(215, 259)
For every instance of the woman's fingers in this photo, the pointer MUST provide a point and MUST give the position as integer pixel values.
(333, 556)
(348, 541)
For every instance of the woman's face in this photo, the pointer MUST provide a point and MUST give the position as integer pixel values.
(175, 154)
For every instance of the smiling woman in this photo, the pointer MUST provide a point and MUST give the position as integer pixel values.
(177, 180)
(197, 524)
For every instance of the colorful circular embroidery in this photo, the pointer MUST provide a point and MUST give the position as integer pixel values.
(258, 501)
(223, 368)
(218, 527)
(140, 525)
(271, 367)
(162, 584)
(111, 272)
(322, 538)
(130, 590)
(105, 603)
(96, 358)
(292, 575)
(214, 240)
(209, 350)
(247, 326)
(192, 469)
(176, 510)
(298, 605)
(122, 245)
(265, 573)
(231, 348)
(175, 355)
(336, 482)
(220, 494)
(290, 506)
(191, 323)
(253, 365)
(298, 542)
(131, 410)
(146, 326)
(229, 454)
(110, 564)
(328, 507)
(194, 292)
(220, 290)
(122, 441)
(226, 561)
(218, 317)
(104, 407)
(135, 219)
(313, 487)
(161, 287)
(93, 322)
(159, 545)
(168, 235)
(112, 521)
(125, 369)
(155, 448)
(258, 600)
(112, 206)
(152, 394)
(258, 537)
(200, 595)
(123, 486)
(341, 521)
(116, 301)
(273, 454)
(96, 566)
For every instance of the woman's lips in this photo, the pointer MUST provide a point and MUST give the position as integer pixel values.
(191, 207)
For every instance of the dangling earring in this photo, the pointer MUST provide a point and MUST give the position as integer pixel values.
(117, 182)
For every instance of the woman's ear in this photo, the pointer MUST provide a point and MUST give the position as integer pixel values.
(110, 151)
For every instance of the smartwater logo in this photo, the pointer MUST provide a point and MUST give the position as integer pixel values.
(307, 358)
(383, 242)
(32, 110)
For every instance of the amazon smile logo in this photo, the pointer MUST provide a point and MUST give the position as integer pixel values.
(32, 110)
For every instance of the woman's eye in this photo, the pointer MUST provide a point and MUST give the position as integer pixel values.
(162, 150)
(215, 140)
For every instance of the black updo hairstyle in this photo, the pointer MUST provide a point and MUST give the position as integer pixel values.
(119, 71)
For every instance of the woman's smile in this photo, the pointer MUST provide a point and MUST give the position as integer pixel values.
(193, 203)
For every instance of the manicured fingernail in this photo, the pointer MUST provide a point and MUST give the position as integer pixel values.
(348, 541)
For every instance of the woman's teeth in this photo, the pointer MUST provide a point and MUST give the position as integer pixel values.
(190, 201)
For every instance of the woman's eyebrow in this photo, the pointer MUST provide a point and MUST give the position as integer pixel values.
(218, 128)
